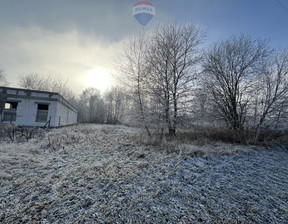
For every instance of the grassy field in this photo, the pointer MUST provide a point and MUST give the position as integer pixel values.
(100, 174)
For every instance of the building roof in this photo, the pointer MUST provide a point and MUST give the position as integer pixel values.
(60, 99)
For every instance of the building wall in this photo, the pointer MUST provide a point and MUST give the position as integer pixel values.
(28, 101)
(27, 111)
(65, 115)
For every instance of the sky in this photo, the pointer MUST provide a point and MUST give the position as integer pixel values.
(78, 40)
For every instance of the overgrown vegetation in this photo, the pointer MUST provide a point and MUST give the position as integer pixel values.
(101, 174)
(208, 119)
(203, 136)
(239, 85)
(158, 137)
(168, 81)
(10, 132)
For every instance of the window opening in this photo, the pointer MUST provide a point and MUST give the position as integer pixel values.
(42, 112)
(10, 111)
(11, 105)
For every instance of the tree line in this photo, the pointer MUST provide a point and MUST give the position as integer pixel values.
(168, 80)
(239, 84)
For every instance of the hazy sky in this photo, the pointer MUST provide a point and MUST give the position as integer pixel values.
(78, 39)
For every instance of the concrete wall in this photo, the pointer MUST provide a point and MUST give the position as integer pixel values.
(27, 111)
(28, 101)
(65, 115)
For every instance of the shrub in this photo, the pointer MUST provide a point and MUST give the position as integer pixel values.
(13, 133)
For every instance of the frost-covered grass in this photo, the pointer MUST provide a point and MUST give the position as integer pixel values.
(99, 174)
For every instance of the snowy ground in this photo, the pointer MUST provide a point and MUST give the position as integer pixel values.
(99, 174)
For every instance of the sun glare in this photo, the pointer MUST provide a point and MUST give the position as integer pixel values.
(98, 78)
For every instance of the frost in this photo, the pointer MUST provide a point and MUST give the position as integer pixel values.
(99, 174)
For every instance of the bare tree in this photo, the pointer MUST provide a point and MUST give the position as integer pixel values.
(231, 69)
(46, 83)
(131, 69)
(173, 60)
(116, 105)
(160, 70)
(91, 106)
(271, 100)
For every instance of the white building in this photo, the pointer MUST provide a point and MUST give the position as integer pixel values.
(25, 107)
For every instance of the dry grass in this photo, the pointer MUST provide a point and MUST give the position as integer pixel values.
(99, 174)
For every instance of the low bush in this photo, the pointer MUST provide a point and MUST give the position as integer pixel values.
(202, 136)
(13, 133)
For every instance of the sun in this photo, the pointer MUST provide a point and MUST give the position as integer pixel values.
(98, 78)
